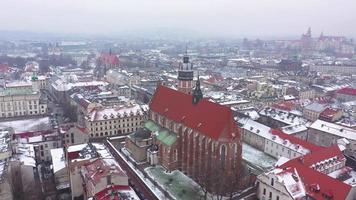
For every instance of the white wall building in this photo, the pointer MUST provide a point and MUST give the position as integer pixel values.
(104, 122)
(327, 134)
(20, 99)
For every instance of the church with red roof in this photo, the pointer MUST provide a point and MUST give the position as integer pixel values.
(196, 136)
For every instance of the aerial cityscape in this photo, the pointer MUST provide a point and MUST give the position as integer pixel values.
(136, 101)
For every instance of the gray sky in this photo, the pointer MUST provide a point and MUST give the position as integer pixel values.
(215, 17)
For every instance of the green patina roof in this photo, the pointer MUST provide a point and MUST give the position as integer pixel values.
(17, 91)
(150, 125)
(164, 135)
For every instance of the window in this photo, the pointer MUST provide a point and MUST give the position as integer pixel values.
(108, 180)
(272, 181)
(264, 191)
(223, 155)
(270, 195)
(277, 198)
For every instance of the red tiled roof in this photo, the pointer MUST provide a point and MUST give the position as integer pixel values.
(321, 155)
(312, 178)
(347, 90)
(328, 113)
(312, 147)
(211, 119)
(110, 59)
(286, 105)
(99, 168)
(4, 68)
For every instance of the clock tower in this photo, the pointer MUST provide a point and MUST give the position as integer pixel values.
(185, 76)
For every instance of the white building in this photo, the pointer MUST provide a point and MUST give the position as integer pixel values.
(20, 99)
(327, 134)
(73, 134)
(104, 122)
(274, 142)
(318, 175)
(60, 169)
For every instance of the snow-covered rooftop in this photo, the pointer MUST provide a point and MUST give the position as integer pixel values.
(27, 125)
(334, 129)
(61, 85)
(5, 140)
(283, 116)
(267, 133)
(58, 160)
(340, 174)
(117, 112)
(25, 153)
(294, 186)
(292, 129)
(35, 139)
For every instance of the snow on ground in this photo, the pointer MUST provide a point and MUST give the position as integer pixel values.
(257, 157)
(148, 183)
(27, 125)
(176, 183)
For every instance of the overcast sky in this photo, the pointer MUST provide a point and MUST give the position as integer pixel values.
(212, 17)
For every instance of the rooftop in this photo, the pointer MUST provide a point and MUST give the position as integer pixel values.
(316, 184)
(210, 119)
(347, 90)
(283, 116)
(58, 159)
(316, 107)
(334, 129)
(28, 125)
(5, 139)
(122, 111)
(162, 134)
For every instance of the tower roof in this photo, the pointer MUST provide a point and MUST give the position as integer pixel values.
(209, 118)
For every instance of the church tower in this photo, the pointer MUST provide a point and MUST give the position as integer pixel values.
(185, 76)
(197, 93)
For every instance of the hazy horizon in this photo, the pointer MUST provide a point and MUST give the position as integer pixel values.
(226, 18)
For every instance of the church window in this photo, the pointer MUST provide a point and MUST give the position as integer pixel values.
(223, 155)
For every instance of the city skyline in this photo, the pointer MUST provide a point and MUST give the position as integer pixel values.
(204, 18)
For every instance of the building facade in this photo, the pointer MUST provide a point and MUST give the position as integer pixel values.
(104, 122)
(312, 176)
(19, 100)
(327, 134)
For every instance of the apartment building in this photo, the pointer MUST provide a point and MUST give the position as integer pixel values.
(104, 122)
(319, 175)
(274, 142)
(326, 134)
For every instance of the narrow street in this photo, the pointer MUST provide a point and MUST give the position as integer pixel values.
(135, 181)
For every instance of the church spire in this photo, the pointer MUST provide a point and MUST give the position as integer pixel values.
(197, 93)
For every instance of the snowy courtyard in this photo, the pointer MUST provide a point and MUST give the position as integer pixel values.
(176, 183)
